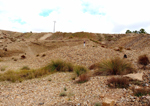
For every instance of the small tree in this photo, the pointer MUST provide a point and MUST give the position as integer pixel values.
(136, 31)
(128, 31)
(142, 30)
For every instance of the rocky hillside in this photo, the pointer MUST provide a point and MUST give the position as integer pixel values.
(36, 50)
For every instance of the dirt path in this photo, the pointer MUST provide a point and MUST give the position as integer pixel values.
(45, 36)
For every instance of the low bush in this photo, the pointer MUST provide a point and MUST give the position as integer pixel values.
(141, 91)
(97, 104)
(80, 70)
(94, 41)
(61, 66)
(143, 60)
(120, 48)
(108, 37)
(24, 73)
(115, 66)
(118, 82)
(65, 89)
(63, 94)
(94, 66)
(83, 78)
(100, 38)
(25, 68)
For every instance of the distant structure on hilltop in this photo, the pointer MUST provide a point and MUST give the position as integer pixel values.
(54, 27)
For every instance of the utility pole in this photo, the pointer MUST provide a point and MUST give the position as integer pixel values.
(54, 26)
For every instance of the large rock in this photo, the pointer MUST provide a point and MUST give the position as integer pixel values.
(137, 76)
(108, 102)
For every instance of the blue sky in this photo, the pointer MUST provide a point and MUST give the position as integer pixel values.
(100, 16)
(45, 13)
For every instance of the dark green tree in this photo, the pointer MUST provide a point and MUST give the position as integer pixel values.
(128, 31)
(136, 31)
(142, 30)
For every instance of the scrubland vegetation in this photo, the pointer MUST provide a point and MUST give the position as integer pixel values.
(55, 66)
(115, 68)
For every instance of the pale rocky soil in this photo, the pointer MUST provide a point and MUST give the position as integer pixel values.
(44, 92)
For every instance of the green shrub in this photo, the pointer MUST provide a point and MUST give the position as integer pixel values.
(115, 66)
(63, 94)
(61, 66)
(26, 73)
(97, 104)
(65, 89)
(70, 37)
(25, 68)
(3, 68)
(94, 41)
(80, 70)
(55, 66)
(49, 79)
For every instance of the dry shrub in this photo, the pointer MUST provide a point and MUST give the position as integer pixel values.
(43, 55)
(128, 48)
(108, 37)
(141, 91)
(100, 38)
(23, 56)
(120, 48)
(94, 66)
(82, 34)
(143, 60)
(25, 68)
(118, 82)
(83, 78)
(115, 66)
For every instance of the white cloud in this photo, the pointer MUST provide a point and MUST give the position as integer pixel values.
(118, 15)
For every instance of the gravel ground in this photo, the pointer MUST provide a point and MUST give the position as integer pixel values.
(44, 92)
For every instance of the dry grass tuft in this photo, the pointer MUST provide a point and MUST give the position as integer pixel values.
(80, 70)
(25, 68)
(115, 66)
(26, 73)
(61, 66)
